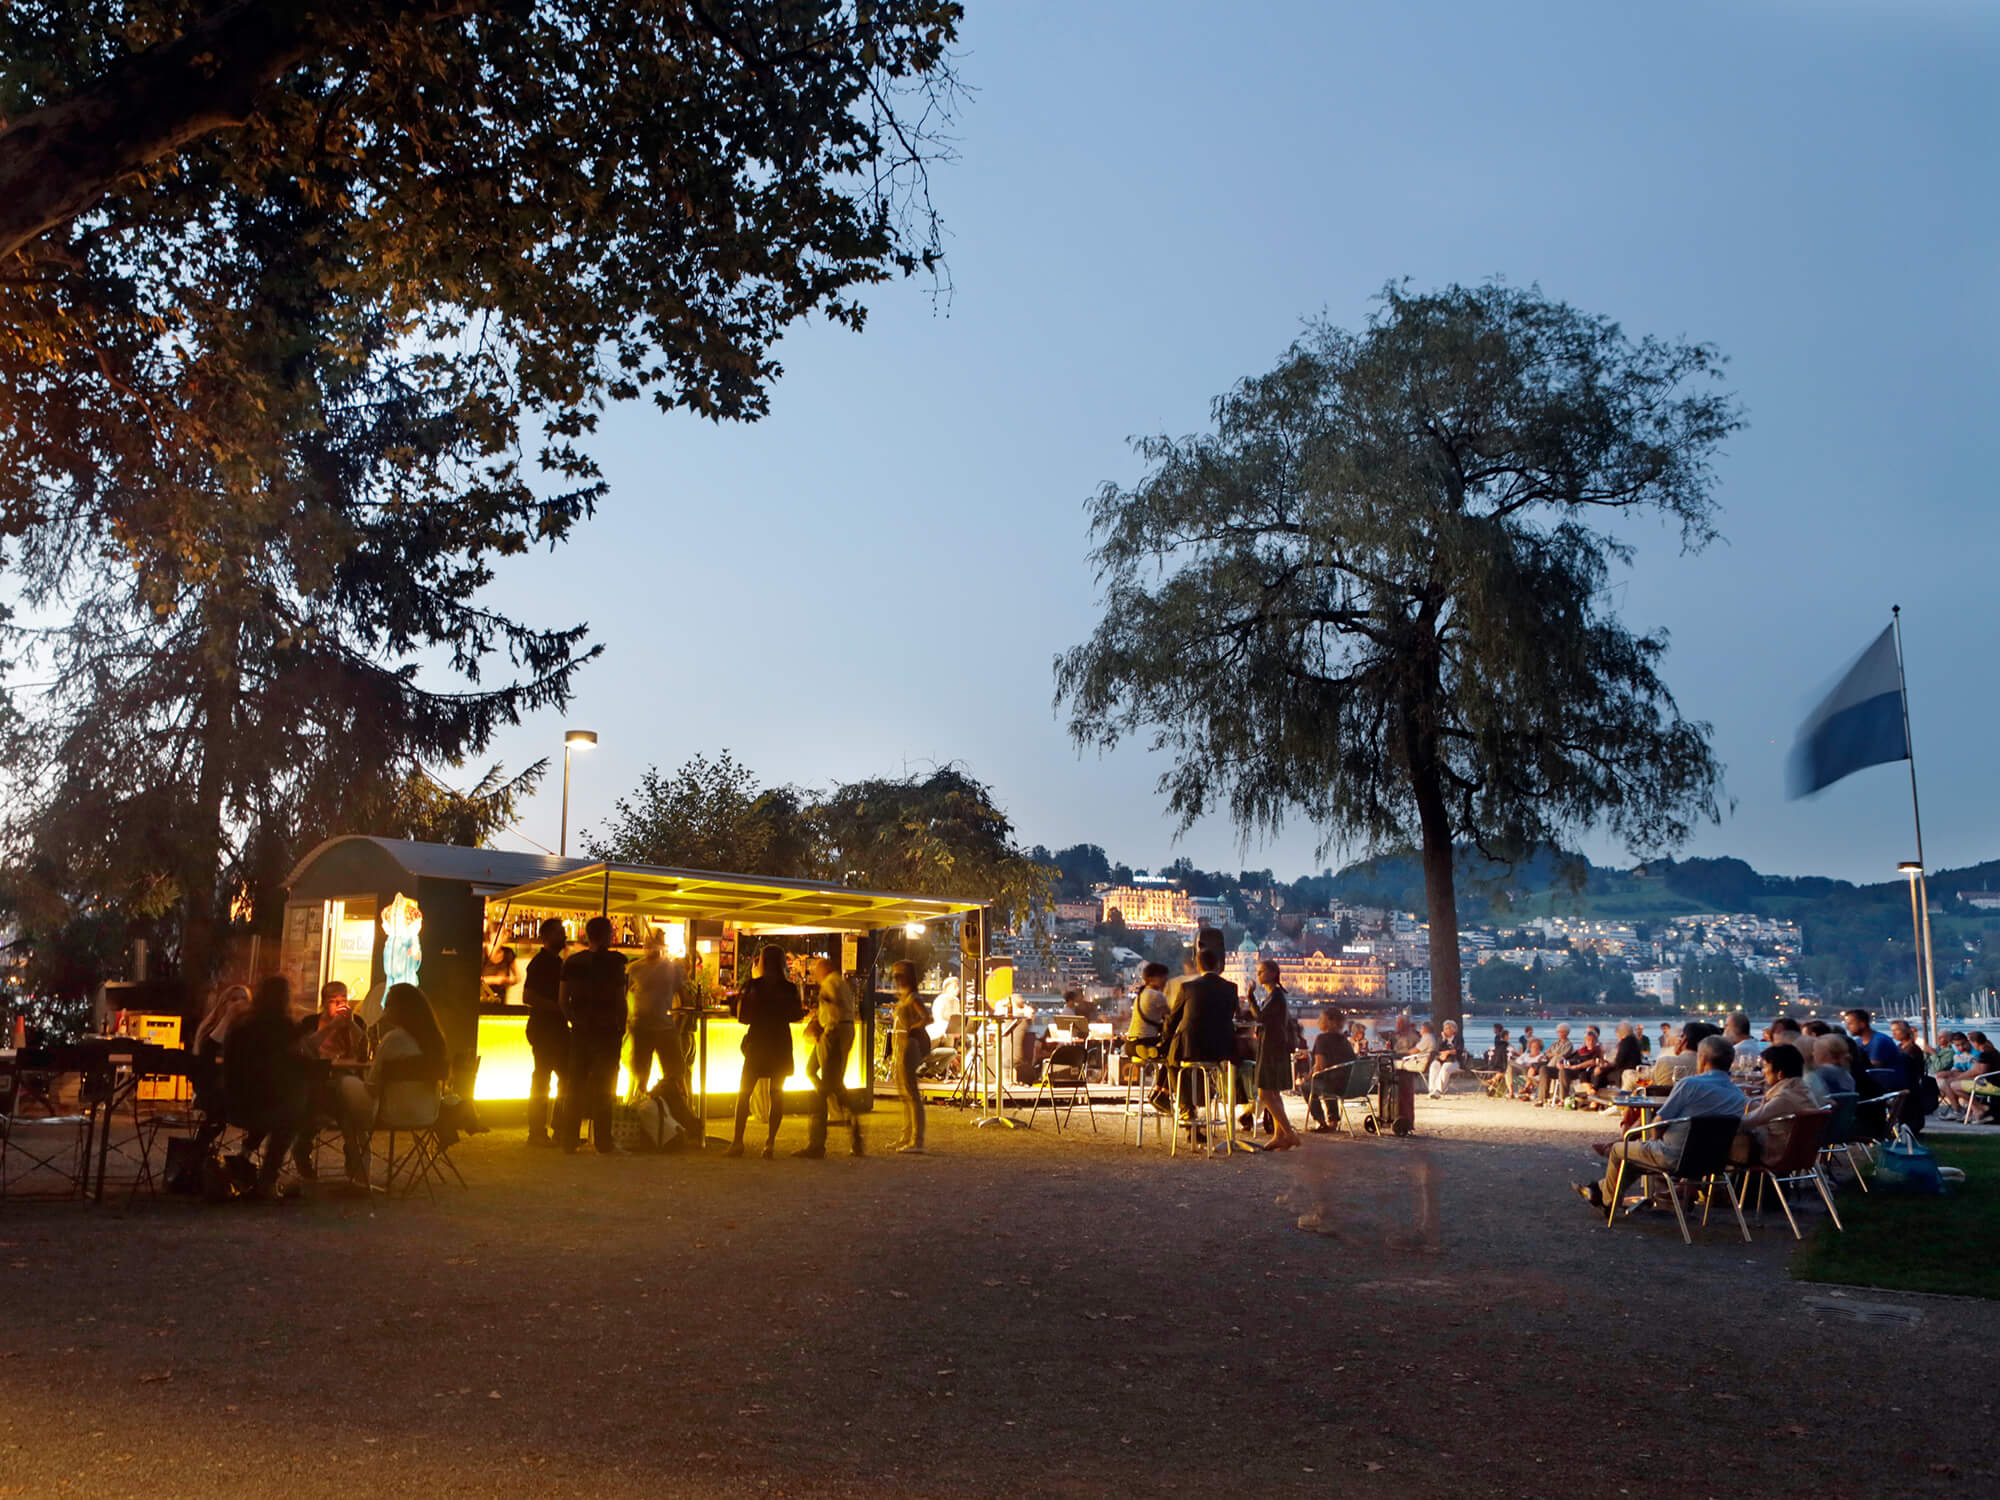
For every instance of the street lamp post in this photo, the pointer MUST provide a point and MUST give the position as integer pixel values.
(576, 739)
(1913, 871)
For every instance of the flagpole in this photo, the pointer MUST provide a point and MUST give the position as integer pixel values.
(1916, 813)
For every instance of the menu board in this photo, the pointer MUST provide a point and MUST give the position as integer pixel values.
(301, 950)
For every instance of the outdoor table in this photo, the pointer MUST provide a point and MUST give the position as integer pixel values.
(112, 1070)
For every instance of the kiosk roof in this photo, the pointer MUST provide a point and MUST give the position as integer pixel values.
(749, 900)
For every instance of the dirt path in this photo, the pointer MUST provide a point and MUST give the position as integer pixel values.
(1014, 1315)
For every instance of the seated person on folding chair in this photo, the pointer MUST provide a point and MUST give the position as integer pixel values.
(401, 1091)
(205, 1070)
(265, 1080)
(1706, 1091)
(1330, 1050)
(1830, 1074)
(1785, 1093)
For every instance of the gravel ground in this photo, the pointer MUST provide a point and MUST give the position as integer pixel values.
(1016, 1314)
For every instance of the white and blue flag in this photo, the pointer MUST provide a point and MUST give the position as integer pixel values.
(1861, 723)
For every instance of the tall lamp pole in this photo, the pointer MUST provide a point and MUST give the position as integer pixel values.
(1912, 870)
(576, 739)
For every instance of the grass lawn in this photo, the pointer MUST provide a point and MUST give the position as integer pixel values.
(1914, 1244)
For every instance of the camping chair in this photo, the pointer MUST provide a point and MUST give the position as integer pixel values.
(44, 1144)
(1064, 1070)
(1798, 1162)
(1843, 1133)
(1703, 1161)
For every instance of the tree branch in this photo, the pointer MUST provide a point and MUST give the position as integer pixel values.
(57, 161)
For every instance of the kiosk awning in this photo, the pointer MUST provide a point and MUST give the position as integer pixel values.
(747, 900)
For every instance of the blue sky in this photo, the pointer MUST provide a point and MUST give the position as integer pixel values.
(1147, 200)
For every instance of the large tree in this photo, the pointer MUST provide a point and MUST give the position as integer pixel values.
(1374, 596)
(230, 628)
(306, 313)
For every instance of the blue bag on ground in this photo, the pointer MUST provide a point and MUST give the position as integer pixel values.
(1907, 1166)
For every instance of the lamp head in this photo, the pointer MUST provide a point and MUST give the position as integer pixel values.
(1910, 868)
(580, 739)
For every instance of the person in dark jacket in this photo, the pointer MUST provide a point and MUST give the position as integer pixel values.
(767, 1006)
(548, 1029)
(1201, 1026)
(265, 1079)
(593, 999)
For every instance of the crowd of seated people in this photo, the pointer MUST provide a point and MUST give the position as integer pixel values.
(280, 1078)
(1798, 1068)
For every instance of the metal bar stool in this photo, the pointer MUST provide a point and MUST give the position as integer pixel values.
(1146, 1074)
(1212, 1106)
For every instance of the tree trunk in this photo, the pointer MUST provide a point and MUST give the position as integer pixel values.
(1441, 897)
(201, 866)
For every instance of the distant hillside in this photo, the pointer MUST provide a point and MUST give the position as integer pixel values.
(1857, 937)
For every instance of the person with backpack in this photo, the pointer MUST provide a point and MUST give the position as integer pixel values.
(911, 1038)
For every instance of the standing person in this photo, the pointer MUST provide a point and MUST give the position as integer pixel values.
(910, 1040)
(656, 988)
(548, 1028)
(1274, 1056)
(1667, 1043)
(1330, 1051)
(766, 1006)
(593, 998)
(835, 1009)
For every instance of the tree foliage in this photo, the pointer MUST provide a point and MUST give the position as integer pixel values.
(325, 339)
(709, 815)
(1374, 596)
(940, 834)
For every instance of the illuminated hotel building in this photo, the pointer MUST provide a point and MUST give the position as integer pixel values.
(1316, 976)
(1163, 907)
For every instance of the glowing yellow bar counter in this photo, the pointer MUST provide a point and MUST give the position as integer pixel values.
(507, 1063)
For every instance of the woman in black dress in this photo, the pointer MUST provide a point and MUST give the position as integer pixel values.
(1274, 1056)
(766, 1006)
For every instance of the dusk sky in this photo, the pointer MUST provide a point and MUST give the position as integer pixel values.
(1150, 197)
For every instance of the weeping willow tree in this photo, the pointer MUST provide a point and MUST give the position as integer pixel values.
(1374, 596)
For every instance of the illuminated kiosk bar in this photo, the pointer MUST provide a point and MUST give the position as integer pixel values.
(374, 911)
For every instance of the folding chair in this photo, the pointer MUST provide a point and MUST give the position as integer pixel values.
(1982, 1089)
(44, 1143)
(1843, 1133)
(1875, 1120)
(426, 1160)
(1703, 1161)
(1798, 1162)
(1357, 1087)
(1066, 1069)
